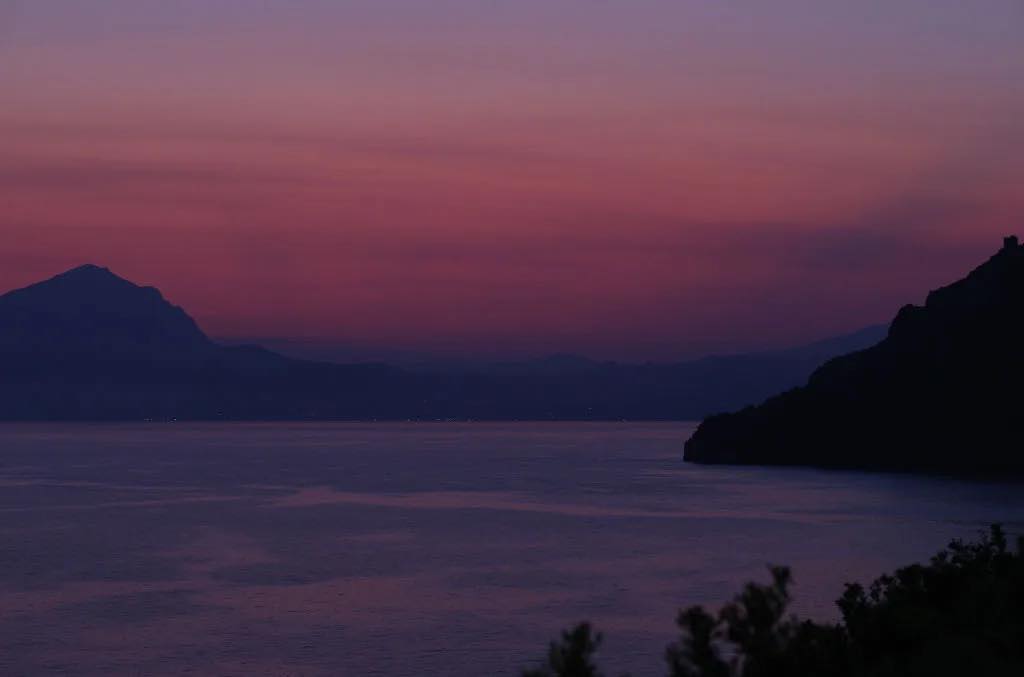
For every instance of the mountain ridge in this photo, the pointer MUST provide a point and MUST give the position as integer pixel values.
(89, 309)
(87, 344)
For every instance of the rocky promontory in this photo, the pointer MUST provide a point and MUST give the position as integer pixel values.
(941, 393)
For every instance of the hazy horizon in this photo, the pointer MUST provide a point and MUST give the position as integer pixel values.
(341, 350)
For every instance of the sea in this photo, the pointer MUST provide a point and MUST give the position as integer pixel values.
(405, 549)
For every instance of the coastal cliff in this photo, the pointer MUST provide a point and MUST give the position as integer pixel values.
(942, 392)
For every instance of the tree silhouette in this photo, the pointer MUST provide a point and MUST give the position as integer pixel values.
(572, 656)
(960, 614)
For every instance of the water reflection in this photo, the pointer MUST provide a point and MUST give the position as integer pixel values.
(415, 549)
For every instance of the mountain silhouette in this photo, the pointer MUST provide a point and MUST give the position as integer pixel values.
(88, 344)
(91, 311)
(941, 393)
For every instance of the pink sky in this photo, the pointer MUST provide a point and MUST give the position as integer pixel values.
(645, 179)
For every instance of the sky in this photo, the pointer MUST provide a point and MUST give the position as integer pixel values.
(641, 179)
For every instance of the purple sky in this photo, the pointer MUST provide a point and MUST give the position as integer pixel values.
(642, 179)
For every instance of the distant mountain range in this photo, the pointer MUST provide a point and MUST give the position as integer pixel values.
(89, 345)
(943, 391)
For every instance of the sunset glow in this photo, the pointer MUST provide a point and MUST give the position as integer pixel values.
(638, 180)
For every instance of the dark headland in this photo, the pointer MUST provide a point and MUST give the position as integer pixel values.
(942, 392)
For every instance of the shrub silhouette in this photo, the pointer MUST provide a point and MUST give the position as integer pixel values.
(961, 614)
(572, 656)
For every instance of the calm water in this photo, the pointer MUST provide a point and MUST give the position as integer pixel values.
(426, 549)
